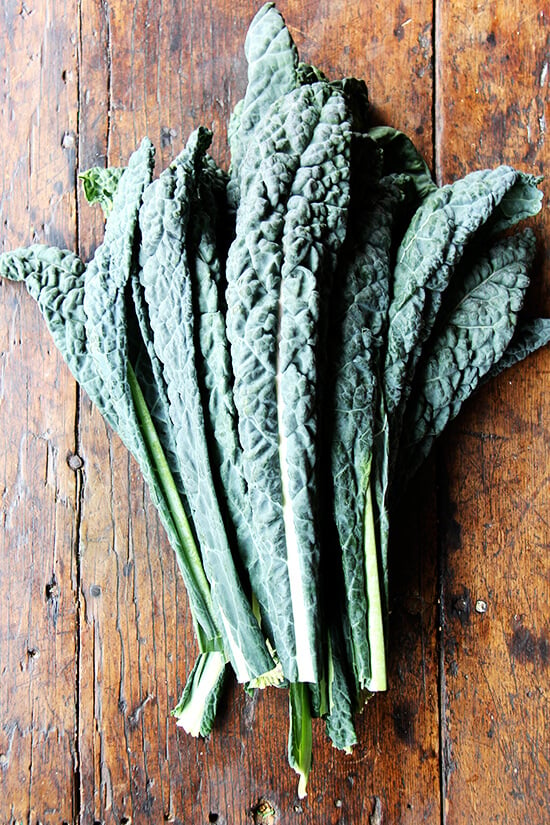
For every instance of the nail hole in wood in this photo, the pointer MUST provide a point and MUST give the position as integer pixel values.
(74, 461)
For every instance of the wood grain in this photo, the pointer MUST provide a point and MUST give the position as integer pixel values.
(38, 700)
(494, 487)
(95, 632)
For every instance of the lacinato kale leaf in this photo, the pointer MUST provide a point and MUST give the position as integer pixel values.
(360, 309)
(278, 346)
(272, 61)
(291, 222)
(107, 280)
(479, 318)
(401, 156)
(530, 335)
(82, 328)
(168, 288)
(432, 247)
(342, 696)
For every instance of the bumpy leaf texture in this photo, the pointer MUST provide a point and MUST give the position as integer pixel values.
(290, 224)
(430, 251)
(168, 289)
(272, 72)
(479, 319)
(530, 335)
(81, 306)
(360, 305)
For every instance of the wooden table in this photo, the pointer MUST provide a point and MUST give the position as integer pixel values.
(95, 633)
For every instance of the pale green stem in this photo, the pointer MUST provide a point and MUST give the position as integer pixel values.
(300, 734)
(187, 553)
(375, 621)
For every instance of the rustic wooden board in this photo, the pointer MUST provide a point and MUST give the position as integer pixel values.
(494, 484)
(95, 633)
(38, 700)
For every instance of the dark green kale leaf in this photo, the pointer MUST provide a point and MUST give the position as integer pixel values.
(272, 61)
(401, 156)
(342, 698)
(446, 222)
(530, 335)
(477, 324)
(168, 289)
(360, 314)
(85, 310)
(291, 223)
(432, 247)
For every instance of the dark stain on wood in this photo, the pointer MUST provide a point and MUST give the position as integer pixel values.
(404, 714)
(526, 647)
(461, 606)
(52, 595)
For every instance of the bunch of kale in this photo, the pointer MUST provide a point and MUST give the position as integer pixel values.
(279, 347)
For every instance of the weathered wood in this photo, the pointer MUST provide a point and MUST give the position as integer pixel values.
(86, 574)
(38, 629)
(492, 102)
(151, 769)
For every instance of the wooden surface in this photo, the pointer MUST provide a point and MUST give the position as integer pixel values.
(95, 638)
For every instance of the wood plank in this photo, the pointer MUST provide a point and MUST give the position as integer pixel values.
(492, 100)
(38, 627)
(162, 71)
(137, 644)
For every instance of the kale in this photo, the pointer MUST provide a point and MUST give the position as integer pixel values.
(480, 315)
(168, 290)
(290, 223)
(279, 346)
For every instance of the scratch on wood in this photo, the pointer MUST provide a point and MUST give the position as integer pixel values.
(135, 715)
(52, 594)
(376, 817)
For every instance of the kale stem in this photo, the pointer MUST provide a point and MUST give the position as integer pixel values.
(375, 620)
(300, 736)
(186, 550)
